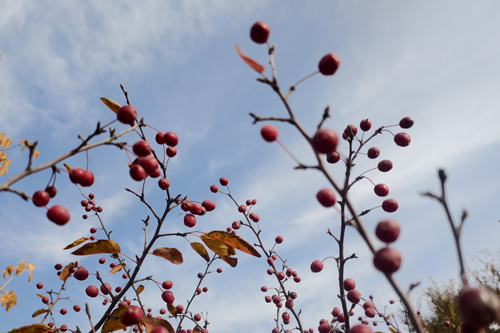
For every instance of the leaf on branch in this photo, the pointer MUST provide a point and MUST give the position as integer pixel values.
(4, 164)
(4, 142)
(231, 261)
(250, 62)
(151, 323)
(234, 241)
(39, 312)
(171, 254)
(8, 271)
(115, 269)
(33, 328)
(76, 243)
(101, 246)
(196, 329)
(20, 267)
(114, 323)
(223, 250)
(140, 289)
(65, 272)
(8, 300)
(392, 330)
(172, 309)
(25, 145)
(68, 168)
(201, 250)
(112, 105)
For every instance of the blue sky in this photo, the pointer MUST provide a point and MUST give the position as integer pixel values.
(437, 62)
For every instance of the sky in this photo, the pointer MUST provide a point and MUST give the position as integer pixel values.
(434, 61)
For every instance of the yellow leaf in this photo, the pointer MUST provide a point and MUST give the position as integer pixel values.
(140, 289)
(2, 135)
(234, 241)
(116, 269)
(33, 328)
(39, 312)
(8, 271)
(4, 168)
(171, 254)
(68, 168)
(3, 156)
(40, 295)
(31, 267)
(8, 300)
(196, 329)
(65, 272)
(113, 323)
(201, 250)
(30, 277)
(151, 323)
(76, 243)
(20, 267)
(112, 105)
(101, 246)
(250, 62)
(392, 330)
(172, 309)
(5, 142)
(220, 248)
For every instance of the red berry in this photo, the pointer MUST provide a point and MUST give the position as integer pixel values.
(235, 225)
(406, 122)
(104, 290)
(45, 300)
(316, 266)
(76, 175)
(102, 261)
(367, 305)
(88, 179)
(387, 260)
(223, 181)
(360, 329)
(325, 141)
(171, 139)
(349, 284)
(350, 131)
(326, 197)
(259, 32)
(280, 275)
(365, 125)
(149, 163)
(63, 311)
(354, 296)
(341, 318)
(39, 285)
(335, 312)
(168, 296)
(381, 190)
(373, 152)
(81, 273)
(387, 231)
(159, 329)
(189, 220)
(197, 317)
(328, 64)
(92, 291)
(167, 284)
(209, 205)
(163, 183)
(57, 266)
(478, 307)
(370, 312)
(40, 198)
(402, 139)
(51, 190)
(179, 309)
(269, 133)
(142, 148)
(137, 172)
(332, 157)
(214, 189)
(324, 327)
(254, 217)
(126, 115)
(447, 324)
(171, 151)
(279, 239)
(132, 316)
(76, 308)
(195, 209)
(242, 208)
(390, 205)
(219, 270)
(385, 165)
(58, 214)
(159, 138)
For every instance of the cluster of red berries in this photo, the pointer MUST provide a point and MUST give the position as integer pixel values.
(89, 206)
(57, 213)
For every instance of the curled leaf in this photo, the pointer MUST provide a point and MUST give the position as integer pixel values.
(33, 328)
(171, 254)
(39, 312)
(101, 246)
(116, 269)
(112, 105)
(8, 300)
(140, 289)
(113, 323)
(201, 250)
(250, 62)
(76, 243)
(8, 271)
(220, 248)
(68, 168)
(65, 272)
(234, 241)
(150, 323)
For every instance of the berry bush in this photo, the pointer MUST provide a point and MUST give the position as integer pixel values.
(151, 152)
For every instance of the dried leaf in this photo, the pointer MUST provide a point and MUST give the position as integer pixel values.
(101, 246)
(113, 323)
(8, 271)
(5, 167)
(30, 277)
(20, 267)
(201, 250)
(140, 289)
(5, 142)
(40, 295)
(172, 309)
(196, 329)
(39, 312)
(171, 254)
(220, 248)
(65, 272)
(76, 243)
(392, 330)
(151, 323)
(112, 105)
(250, 62)
(115, 269)
(8, 300)
(33, 328)
(231, 261)
(31, 267)
(234, 241)
(68, 168)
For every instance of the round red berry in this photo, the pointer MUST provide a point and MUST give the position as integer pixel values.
(316, 266)
(142, 148)
(373, 152)
(40, 198)
(171, 139)
(381, 190)
(259, 32)
(387, 231)
(58, 214)
(406, 122)
(390, 205)
(387, 260)
(326, 197)
(325, 141)
(269, 133)
(126, 114)
(328, 64)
